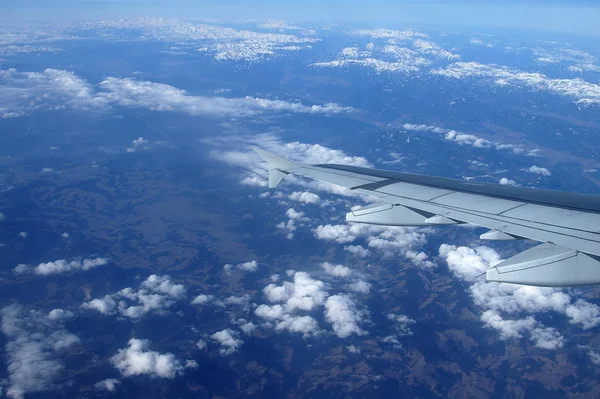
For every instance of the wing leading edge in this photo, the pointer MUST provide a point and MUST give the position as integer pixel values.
(567, 223)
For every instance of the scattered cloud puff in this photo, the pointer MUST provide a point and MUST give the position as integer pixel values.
(140, 141)
(468, 139)
(61, 266)
(109, 384)
(336, 270)
(508, 308)
(24, 92)
(290, 227)
(137, 359)
(305, 197)
(251, 267)
(202, 299)
(538, 170)
(360, 286)
(34, 341)
(303, 294)
(229, 341)
(581, 91)
(358, 250)
(155, 294)
(507, 182)
(341, 312)
(403, 323)
(389, 241)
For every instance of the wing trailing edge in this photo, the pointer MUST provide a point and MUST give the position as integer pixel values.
(548, 265)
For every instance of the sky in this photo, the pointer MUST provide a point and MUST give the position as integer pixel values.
(561, 16)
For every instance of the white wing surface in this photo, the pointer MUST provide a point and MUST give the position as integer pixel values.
(568, 224)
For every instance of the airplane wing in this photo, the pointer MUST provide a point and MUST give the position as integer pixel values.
(568, 224)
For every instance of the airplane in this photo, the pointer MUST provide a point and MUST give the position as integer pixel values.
(567, 224)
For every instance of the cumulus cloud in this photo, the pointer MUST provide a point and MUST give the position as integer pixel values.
(52, 89)
(358, 250)
(34, 341)
(61, 266)
(538, 170)
(336, 270)
(509, 308)
(507, 182)
(467, 138)
(303, 294)
(155, 294)
(579, 90)
(202, 299)
(128, 92)
(403, 323)
(137, 359)
(360, 286)
(387, 241)
(229, 341)
(290, 226)
(109, 384)
(341, 312)
(251, 266)
(305, 197)
(25, 92)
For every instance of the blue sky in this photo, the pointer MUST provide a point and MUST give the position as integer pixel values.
(560, 16)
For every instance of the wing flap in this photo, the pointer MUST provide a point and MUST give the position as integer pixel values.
(548, 265)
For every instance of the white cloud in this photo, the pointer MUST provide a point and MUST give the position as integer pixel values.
(538, 170)
(336, 270)
(60, 314)
(133, 93)
(251, 266)
(25, 92)
(155, 294)
(547, 338)
(303, 293)
(201, 344)
(341, 312)
(305, 197)
(33, 343)
(468, 263)
(466, 138)
(358, 250)
(137, 359)
(507, 182)
(403, 323)
(109, 384)
(594, 357)
(581, 91)
(390, 241)
(61, 266)
(360, 286)
(229, 341)
(52, 89)
(202, 299)
(501, 301)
